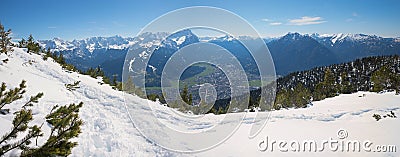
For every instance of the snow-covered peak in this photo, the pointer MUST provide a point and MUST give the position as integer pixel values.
(180, 39)
(223, 38)
(340, 37)
(227, 38)
(293, 36)
(114, 42)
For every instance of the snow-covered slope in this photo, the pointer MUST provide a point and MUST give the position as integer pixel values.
(107, 130)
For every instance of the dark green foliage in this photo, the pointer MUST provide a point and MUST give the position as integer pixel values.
(69, 67)
(5, 40)
(345, 86)
(94, 72)
(118, 86)
(33, 99)
(154, 97)
(73, 86)
(186, 97)
(391, 115)
(129, 87)
(32, 45)
(327, 88)
(221, 111)
(106, 80)
(298, 97)
(97, 72)
(21, 120)
(7, 97)
(65, 124)
(23, 43)
(114, 81)
(47, 54)
(20, 124)
(302, 96)
(388, 115)
(60, 59)
(367, 74)
(377, 117)
(384, 78)
(282, 100)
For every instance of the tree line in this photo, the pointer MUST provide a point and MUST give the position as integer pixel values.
(375, 74)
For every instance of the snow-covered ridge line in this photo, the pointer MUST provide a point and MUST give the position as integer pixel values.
(118, 42)
(92, 43)
(114, 42)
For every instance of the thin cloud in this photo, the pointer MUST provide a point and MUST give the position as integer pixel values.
(306, 20)
(51, 27)
(265, 20)
(354, 14)
(275, 23)
(349, 20)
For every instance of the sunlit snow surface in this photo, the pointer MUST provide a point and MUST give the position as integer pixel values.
(108, 131)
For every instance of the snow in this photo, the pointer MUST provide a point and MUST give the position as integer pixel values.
(338, 37)
(144, 54)
(321, 122)
(108, 131)
(131, 65)
(179, 40)
(152, 67)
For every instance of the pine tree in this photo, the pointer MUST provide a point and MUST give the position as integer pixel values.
(329, 81)
(130, 88)
(20, 124)
(326, 88)
(64, 121)
(301, 96)
(47, 54)
(65, 124)
(61, 59)
(32, 45)
(283, 99)
(7, 97)
(74, 86)
(114, 80)
(345, 85)
(190, 99)
(5, 40)
(383, 78)
(23, 43)
(186, 97)
(8, 141)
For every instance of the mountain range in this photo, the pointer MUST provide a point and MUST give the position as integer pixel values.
(291, 52)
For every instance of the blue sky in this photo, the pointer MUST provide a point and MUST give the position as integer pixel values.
(77, 19)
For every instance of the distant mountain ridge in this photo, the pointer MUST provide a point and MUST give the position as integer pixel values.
(291, 52)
